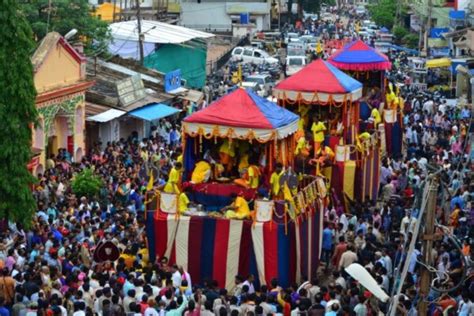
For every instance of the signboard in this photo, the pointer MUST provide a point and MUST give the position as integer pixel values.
(437, 31)
(130, 90)
(415, 23)
(172, 80)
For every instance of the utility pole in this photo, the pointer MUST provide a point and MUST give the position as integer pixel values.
(427, 238)
(140, 34)
(428, 27)
(113, 12)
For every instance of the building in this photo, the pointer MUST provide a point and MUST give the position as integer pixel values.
(60, 82)
(218, 16)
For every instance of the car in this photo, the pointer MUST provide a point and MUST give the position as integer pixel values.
(255, 87)
(252, 55)
(257, 44)
(264, 81)
(291, 37)
(295, 64)
(309, 42)
(327, 16)
(360, 10)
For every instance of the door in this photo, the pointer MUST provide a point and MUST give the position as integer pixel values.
(52, 147)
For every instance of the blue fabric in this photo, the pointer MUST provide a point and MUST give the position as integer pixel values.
(396, 140)
(253, 267)
(457, 14)
(276, 115)
(154, 111)
(150, 233)
(207, 246)
(405, 49)
(384, 30)
(359, 56)
(210, 202)
(437, 31)
(349, 83)
(189, 158)
(283, 257)
(364, 111)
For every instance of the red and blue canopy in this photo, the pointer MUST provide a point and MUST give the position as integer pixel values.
(358, 56)
(244, 115)
(319, 82)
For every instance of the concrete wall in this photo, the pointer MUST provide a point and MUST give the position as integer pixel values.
(217, 15)
(205, 15)
(59, 69)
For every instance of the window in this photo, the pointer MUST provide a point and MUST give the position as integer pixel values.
(238, 51)
(248, 52)
(257, 54)
(296, 62)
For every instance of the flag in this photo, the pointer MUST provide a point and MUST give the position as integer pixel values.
(149, 186)
(289, 198)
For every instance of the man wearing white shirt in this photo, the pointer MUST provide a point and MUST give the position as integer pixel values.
(249, 283)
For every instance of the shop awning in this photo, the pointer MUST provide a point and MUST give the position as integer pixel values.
(154, 112)
(106, 116)
(438, 63)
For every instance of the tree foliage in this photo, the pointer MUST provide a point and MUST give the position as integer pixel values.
(383, 12)
(17, 114)
(410, 40)
(86, 183)
(399, 32)
(64, 16)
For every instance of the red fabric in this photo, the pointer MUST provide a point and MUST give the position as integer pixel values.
(333, 142)
(221, 243)
(270, 242)
(316, 77)
(161, 234)
(194, 249)
(362, 67)
(245, 245)
(221, 189)
(235, 109)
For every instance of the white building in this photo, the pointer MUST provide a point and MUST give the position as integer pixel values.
(215, 15)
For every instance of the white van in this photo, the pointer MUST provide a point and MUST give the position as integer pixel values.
(295, 64)
(252, 55)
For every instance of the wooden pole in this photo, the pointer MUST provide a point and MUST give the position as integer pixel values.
(427, 238)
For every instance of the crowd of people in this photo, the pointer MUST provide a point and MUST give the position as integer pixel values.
(48, 269)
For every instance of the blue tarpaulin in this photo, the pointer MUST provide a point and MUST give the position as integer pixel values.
(154, 111)
(384, 30)
(457, 14)
(404, 49)
(437, 31)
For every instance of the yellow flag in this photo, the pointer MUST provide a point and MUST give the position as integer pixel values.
(149, 186)
(289, 198)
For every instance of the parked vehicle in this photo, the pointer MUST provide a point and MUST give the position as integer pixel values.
(309, 42)
(265, 82)
(255, 87)
(291, 37)
(252, 55)
(360, 10)
(295, 64)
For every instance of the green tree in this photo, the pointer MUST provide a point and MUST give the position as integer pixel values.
(411, 40)
(64, 16)
(17, 114)
(86, 183)
(399, 32)
(383, 12)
